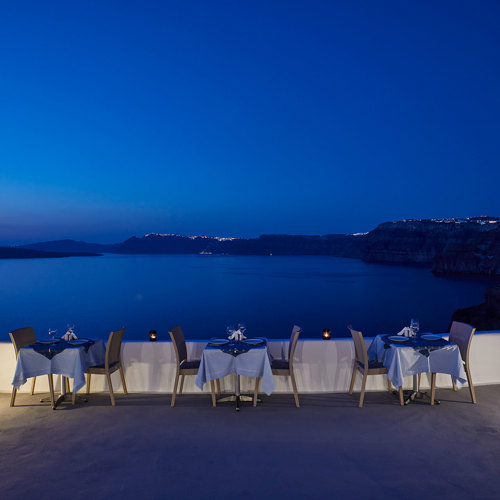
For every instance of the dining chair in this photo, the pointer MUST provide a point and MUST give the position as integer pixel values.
(367, 367)
(281, 367)
(185, 367)
(112, 362)
(23, 337)
(460, 334)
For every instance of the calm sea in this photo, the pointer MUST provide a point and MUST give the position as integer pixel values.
(205, 293)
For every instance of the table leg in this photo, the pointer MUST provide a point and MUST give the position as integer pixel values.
(410, 396)
(237, 398)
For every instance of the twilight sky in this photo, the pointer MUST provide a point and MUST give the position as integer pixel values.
(241, 118)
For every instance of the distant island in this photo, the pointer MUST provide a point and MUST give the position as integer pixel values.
(447, 246)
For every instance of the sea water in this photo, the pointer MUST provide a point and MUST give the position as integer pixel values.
(206, 293)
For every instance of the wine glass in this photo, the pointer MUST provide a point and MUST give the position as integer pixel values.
(415, 326)
(52, 333)
(229, 330)
(242, 328)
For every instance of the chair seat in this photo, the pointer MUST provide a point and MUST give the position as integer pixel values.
(280, 364)
(101, 369)
(190, 365)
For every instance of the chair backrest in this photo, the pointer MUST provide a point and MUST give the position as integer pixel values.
(179, 344)
(359, 347)
(294, 337)
(114, 347)
(461, 334)
(22, 337)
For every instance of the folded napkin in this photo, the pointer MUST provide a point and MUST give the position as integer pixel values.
(69, 335)
(406, 332)
(237, 335)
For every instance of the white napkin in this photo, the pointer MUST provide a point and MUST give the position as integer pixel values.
(237, 335)
(69, 335)
(406, 332)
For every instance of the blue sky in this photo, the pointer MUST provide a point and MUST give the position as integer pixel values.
(242, 118)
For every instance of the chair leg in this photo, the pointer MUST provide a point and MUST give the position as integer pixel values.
(401, 397)
(389, 385)
(73, 396)
(51, 390)
(294, 386)
(363, 385)
(110, 386)
(182, 385)
(453, 383)
(212, 387)
(433, 388)
(218, 387)
(122, 376)
(66, 379)
(419, 377)
(353, 378)
(13, 396)
(471, 387)
(89, 376)
(174, 392)
(33, 386)
(256, 391)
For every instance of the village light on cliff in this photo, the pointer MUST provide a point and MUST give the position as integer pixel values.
(326, 333)
(153, 336)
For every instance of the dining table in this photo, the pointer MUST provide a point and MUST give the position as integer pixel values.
(409, 356)
(247, 357)
(69, 359)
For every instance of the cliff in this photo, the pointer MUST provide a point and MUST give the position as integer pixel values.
(484, 316)
(465, 246)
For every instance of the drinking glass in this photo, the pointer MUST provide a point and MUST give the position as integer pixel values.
(415, 326)
(242, 327)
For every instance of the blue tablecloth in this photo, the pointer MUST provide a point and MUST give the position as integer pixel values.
(417, 356)
(71, 362)
(217, 364)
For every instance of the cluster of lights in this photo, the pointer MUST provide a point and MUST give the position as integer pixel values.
(203, 237)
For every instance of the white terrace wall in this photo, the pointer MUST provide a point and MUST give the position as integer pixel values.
(320, 366)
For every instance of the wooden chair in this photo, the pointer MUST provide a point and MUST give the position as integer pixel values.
(461, 334)
(283, 367)
(185, 367)
(367, 367)
(23, 337)
(112, 362)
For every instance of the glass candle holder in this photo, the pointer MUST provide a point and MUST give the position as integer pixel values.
(326, 333)
(153, 336)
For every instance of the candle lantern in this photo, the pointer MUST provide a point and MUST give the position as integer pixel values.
(152, 336)
(326, 333)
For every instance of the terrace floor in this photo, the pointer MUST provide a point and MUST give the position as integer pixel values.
(143, 448)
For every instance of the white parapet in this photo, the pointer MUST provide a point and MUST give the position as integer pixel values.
(320, 366)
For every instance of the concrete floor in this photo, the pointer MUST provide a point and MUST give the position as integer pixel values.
(143, 449)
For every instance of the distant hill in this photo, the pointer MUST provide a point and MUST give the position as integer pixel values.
(23, 253)
(340, 245)
(71, 246)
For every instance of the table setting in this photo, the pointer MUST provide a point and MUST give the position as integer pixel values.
(409, 353)
(68, 356)
(237, 355)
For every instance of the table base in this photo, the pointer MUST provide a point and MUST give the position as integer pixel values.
(410, 396)
(237, 399)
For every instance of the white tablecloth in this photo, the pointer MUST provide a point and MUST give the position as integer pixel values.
(254, 363)
(403, 361)
(71, 363)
